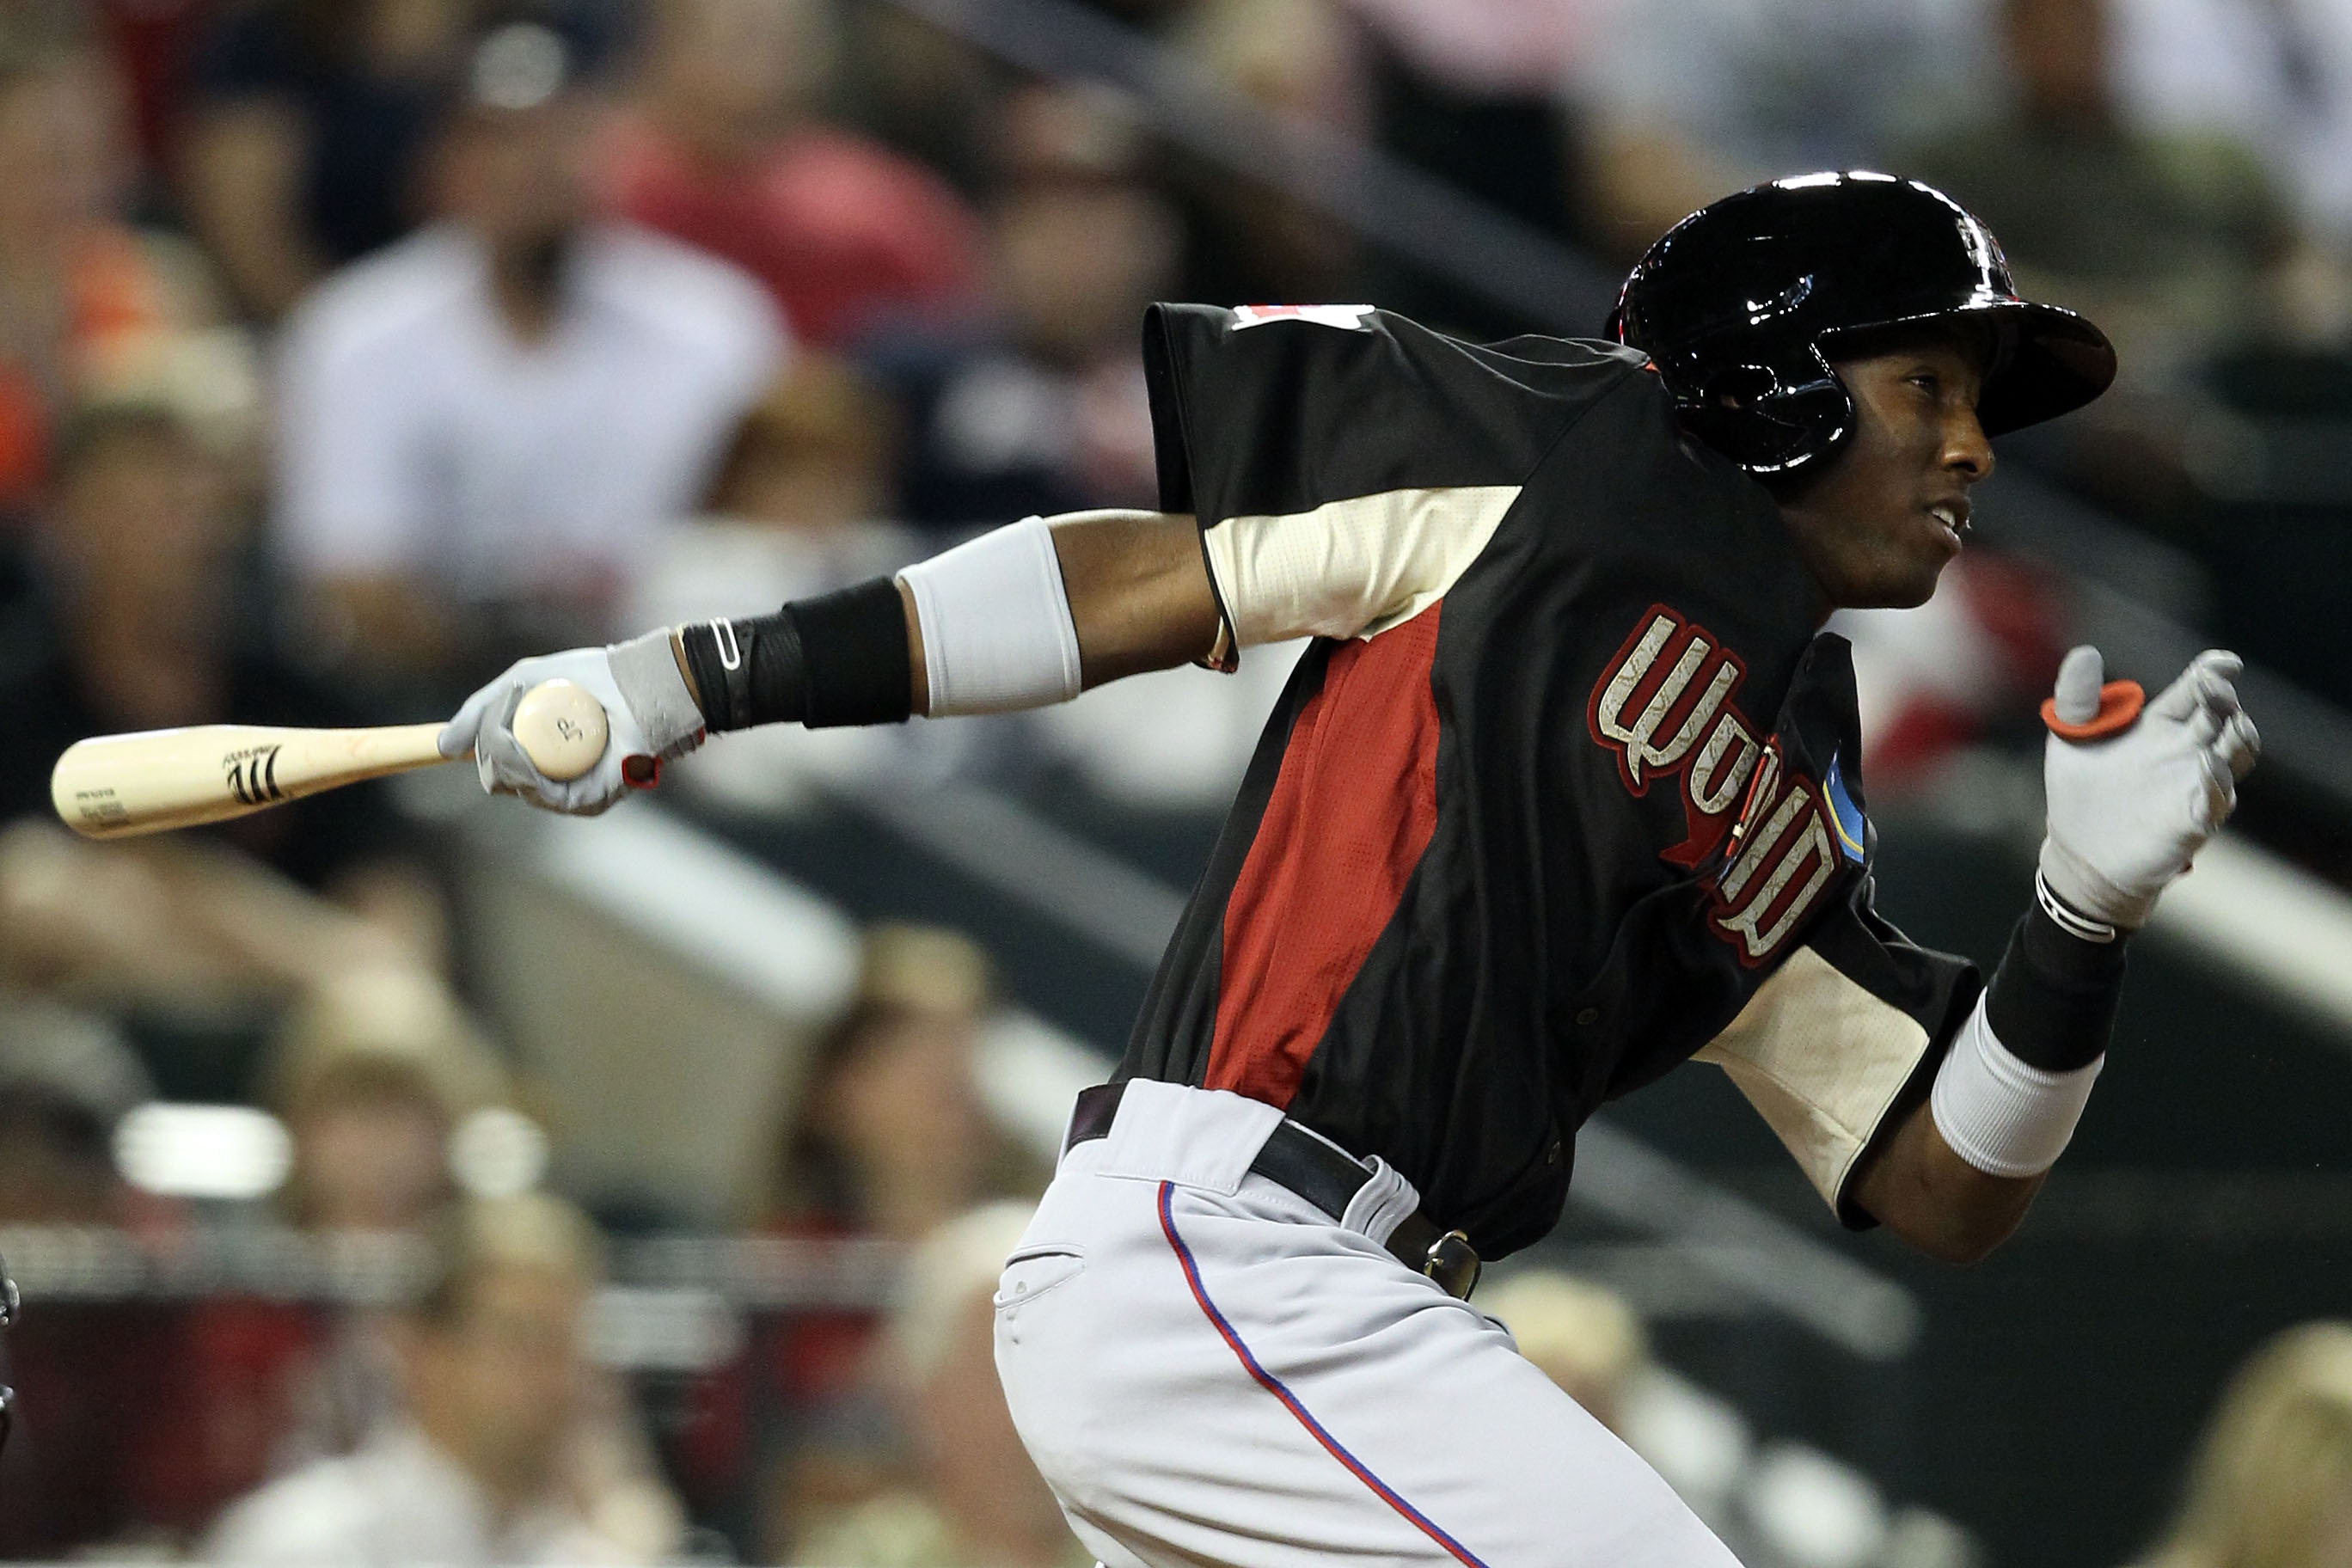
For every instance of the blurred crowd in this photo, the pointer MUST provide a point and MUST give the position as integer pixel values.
(350, 348)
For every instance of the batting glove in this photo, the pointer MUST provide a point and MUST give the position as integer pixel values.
(2128, 810)
(648, 707)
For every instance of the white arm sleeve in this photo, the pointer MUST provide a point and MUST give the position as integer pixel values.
(996, 621)
(2002, 1115)
(1350, 568)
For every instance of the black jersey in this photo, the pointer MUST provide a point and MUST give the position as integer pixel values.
(1550, 834)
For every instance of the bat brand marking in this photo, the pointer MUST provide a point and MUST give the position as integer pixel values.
(252, 776)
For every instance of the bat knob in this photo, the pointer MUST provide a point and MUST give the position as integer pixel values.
(561, 728)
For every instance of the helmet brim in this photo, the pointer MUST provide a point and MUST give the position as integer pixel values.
(2057, 361)
(2052, 360)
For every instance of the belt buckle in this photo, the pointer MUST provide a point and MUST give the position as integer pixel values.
(1454, 1264)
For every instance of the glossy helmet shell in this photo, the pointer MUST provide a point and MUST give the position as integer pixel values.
(1739, 307)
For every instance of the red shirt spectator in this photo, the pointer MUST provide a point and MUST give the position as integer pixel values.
(842, 231)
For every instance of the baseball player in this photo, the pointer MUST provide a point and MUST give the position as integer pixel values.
(1564, 793)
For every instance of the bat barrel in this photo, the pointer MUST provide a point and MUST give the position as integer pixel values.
(117, 785)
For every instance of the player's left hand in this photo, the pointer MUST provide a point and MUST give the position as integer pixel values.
(2129, 810)
(648, 708)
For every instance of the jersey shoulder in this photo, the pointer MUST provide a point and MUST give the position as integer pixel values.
(1268, 408)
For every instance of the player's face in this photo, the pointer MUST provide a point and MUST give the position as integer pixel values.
(1877, 527)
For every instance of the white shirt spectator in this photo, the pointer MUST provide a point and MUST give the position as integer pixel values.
(2277, 73)
(421, 438)
(1776, 87)
(399, 1501)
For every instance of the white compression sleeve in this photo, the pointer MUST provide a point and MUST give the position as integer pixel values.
(1999, 1114)
(996, 624)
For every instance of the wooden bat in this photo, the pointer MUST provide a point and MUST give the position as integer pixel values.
(115, 786)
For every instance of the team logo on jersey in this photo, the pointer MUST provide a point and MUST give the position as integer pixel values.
(1350, 317)
(1663, 709)
(1845, 817)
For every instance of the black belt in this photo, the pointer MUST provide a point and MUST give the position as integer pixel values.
(1297, 1160)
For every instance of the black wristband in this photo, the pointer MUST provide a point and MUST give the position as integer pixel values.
(2053, 1001)
(746, 672)
(838, 660)
(853, 646)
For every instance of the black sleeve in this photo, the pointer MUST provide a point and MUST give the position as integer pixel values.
(1278, 410)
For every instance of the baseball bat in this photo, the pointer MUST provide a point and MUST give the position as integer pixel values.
(116, 787)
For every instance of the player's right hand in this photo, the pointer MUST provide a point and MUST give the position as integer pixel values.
(2129, 810)
(647, 705)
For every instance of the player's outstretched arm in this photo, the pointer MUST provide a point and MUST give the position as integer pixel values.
(1020, 617)
(2133, 795)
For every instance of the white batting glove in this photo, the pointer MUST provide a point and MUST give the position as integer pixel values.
(2129, 811)
(648, 707)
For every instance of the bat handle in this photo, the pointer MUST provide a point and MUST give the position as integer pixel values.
(561, 728)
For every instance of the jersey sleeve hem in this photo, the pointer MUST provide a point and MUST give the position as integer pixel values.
(1829, 1066)
(1171, 420)
(1173, 455)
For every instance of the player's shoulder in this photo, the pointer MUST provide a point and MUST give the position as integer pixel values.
(1370, 337)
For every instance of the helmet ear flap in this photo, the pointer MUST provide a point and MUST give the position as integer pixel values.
(1772, 419)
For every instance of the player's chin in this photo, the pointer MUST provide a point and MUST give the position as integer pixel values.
(1898, 583)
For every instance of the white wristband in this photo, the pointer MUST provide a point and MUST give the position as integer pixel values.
(2003, 1117)
(995, 619)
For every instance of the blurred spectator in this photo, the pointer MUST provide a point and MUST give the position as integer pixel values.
(81, 295)
(891, 1140)
(2270, 1485)
(2171, 243)
(78, 1471)
(722, 153)
(372, 1074)
(155, 44)
(1679, 101)
(311, 117)
(816, 456)
(175, 927)
(2277, 74)
(917, 86)
(137, 624)
(66, 1081)
(501, 1459)
(1301, 60)
(485, 425)
(1582, 1336)
(970, 1497)
(1045, 409)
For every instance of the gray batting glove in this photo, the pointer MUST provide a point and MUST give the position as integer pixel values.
(650, 711)
(2129, 811)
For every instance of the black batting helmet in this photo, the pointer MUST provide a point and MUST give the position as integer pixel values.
(1739, 304)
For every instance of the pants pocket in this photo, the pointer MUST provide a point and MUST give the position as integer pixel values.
(1036, 1269)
